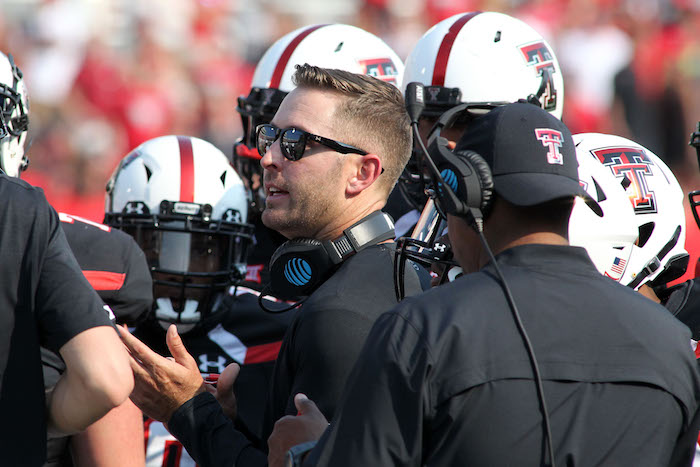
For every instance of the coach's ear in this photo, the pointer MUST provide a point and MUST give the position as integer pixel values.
(363, 173)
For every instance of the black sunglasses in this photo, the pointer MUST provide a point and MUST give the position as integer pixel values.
(294, 140)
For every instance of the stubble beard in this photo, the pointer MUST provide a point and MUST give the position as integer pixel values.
(310, 208)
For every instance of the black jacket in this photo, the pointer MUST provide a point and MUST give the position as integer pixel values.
(444, 378)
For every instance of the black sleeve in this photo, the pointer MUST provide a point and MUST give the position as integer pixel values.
(210, 437)
(326, 346)
(66, 304)
(132, 302)
(381, 416)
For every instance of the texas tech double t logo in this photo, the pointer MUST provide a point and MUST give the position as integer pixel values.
(552, 140)
(635, 165)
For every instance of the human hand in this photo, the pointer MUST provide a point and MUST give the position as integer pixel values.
(308, 425)
(162, 384)
(224, 390)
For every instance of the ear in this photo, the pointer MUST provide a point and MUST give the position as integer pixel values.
(365, 171)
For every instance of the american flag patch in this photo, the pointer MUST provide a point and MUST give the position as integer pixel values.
(618, 266)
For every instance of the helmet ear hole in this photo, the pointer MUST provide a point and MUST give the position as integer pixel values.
(600, 194)
(645, 231)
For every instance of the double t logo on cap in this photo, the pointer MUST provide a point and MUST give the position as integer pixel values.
(551, 139)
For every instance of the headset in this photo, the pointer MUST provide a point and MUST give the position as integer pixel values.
(465, 184)
(299, 266)
(464, 187)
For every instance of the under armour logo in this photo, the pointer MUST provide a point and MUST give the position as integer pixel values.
(134, 208)
(441, 247)
(205, 365)
(553, 140)
(253, 273)
(433, 91)
(232, 216)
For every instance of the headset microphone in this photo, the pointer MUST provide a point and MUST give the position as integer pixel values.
(464, 188)
(414, 101)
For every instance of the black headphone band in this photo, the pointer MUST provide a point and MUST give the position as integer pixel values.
(373, 229)
(448, 118)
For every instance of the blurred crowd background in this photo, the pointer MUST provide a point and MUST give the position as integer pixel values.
(106, 75)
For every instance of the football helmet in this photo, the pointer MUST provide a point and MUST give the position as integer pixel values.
(609, 238)
(658, 256)
(485, 58)
(339, 46)
(14, 119)
(185, 205)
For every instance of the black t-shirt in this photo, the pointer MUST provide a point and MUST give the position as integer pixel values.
(117, 269)
(44, 300)
(316, 357)
(444, 378)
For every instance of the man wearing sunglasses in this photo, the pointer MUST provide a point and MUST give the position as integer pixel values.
(460, 374)
(330, 157)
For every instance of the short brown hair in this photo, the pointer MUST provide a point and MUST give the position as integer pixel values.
(373, 117)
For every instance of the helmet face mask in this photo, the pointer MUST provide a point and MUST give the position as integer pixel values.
(14, 118)
(196, 243)
(337, 46)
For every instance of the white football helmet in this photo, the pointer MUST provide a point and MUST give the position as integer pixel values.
(659, 254)
(14, 119)
(181, 200)
(484, 58)
(339, 46)
(609, 238)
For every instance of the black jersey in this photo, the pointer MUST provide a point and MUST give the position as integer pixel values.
(114, 264)
(316, 357)
(117, 269)
(444, 379)
(44, 300)
(237, 331)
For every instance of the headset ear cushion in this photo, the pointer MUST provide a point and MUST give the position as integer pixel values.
(293, 245)
(483, 172)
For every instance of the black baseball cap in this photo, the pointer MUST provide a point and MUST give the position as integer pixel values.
(530, 152)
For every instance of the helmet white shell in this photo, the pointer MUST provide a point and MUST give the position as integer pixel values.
(338, 46)
(609, 238)
(490, 57)
(177, 169)
(656, 198)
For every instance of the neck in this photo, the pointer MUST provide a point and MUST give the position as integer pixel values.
(649, 293)
(508, 226)
(500, 244)
(352, 215)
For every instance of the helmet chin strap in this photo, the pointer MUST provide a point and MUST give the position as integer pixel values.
(184, 320)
